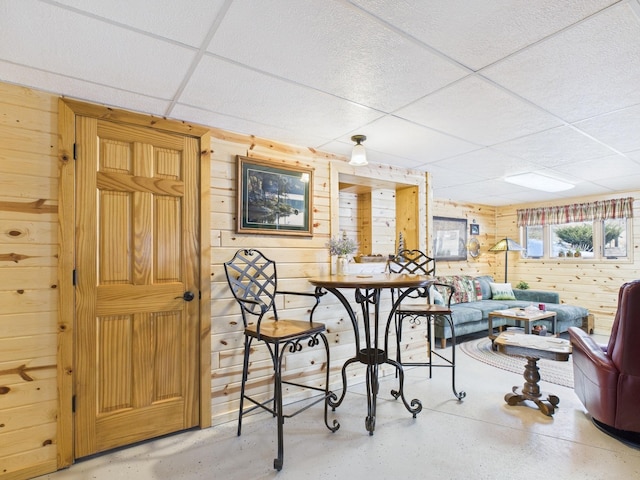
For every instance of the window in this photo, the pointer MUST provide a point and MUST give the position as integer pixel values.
(534, 242)
(614, 238)
(597, 230)
(573, 239)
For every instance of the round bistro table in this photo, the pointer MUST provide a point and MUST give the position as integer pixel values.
(367, 291)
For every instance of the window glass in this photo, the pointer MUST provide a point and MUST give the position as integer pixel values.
(615, 238)
(534, 241)
(568, 239)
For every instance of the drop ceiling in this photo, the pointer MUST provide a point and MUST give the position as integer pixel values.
(471, 91)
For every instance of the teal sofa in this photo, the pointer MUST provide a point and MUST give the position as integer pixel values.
(471, 316)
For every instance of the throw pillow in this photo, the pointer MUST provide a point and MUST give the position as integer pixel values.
(435, 296)
(466, 289)
(502, 291)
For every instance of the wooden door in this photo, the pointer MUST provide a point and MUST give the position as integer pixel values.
(137, 253)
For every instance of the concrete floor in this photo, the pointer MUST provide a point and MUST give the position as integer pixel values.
(480, 437)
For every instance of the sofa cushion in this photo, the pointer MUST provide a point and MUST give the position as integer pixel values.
(485, 288)
(467, 289)
(472, 316)
(537, 296)
(486, 306)
(463, 313)
(502, 291)
(568, 313)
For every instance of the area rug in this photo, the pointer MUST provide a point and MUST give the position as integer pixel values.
(560, 373)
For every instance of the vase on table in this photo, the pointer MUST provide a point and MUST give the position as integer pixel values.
(342, 265)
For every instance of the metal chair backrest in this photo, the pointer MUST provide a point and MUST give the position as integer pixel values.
(412, 261)
(253, 282)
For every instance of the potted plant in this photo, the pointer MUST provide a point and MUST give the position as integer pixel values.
(522, 285)
(342, 247)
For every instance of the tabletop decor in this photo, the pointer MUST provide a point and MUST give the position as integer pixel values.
(342, 247)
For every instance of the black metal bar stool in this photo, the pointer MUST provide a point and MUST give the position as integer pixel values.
(422, 305)
(253, 281)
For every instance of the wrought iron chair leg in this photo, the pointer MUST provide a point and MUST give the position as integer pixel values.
(245, 372)
(277, 400)
(329, 397)
(398, 322)
(429, 321)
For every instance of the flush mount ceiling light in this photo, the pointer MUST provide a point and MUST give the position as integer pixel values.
(358, 155)
(536, 181)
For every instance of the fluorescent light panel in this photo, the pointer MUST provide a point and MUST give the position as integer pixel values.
(536, 181)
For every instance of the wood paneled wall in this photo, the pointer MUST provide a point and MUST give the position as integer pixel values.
(28, 281)
(298, 258)
(593, 284)
(29, 259)
(485, 217)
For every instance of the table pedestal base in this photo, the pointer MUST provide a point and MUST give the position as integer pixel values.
(531, 390)
(372, 357)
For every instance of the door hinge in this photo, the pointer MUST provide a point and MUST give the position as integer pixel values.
(199, 295)
(73, 404)
(75, 151)
(74, 277)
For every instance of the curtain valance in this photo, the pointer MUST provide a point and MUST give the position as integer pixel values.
(577, 212)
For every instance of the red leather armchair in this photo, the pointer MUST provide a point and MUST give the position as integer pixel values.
(607, 377)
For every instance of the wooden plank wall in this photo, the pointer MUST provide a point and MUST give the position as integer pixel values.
(28, 273)
(298, 258)
(28, 281)
(485, 217)
(591, 284)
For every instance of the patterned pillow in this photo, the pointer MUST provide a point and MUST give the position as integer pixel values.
(502, 291)
(467, 288)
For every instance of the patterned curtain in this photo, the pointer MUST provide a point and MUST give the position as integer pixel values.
(577, 212)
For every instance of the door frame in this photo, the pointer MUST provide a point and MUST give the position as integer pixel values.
(67, 111)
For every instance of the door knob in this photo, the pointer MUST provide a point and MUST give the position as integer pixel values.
(187, 296)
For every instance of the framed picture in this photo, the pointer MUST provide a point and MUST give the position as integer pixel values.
(474, 229)
(450, 238)
(274, 199)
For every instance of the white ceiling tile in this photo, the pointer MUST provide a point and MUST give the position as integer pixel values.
(405, 139)
(81, 90)
(624, 183)
(38, 35)
(446, 177)
(244, 126)
(554, 147)
(333, 47)
(587, 70)
(620, 129)
(486, 163)
(602, 168)
(373, 156)
(479, 33)
(526, 195)
(635, 155)
(185, 21)
(233, 90)
(585, 188)
(307, 73)
(476, 110)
